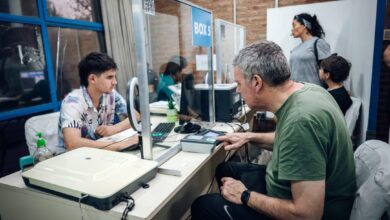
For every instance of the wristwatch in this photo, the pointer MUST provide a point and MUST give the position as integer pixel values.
(245, 197)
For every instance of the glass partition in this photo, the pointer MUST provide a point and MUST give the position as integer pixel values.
(166, 53)
(230, 39)
(175, 60)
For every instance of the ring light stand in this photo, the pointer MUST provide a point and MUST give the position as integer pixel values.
(132, 87)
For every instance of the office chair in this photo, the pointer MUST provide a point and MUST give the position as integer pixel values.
(48, 125)
(372, 164)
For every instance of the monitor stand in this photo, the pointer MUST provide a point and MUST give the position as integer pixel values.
(187, 128)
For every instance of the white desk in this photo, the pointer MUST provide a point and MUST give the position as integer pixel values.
(168, 197)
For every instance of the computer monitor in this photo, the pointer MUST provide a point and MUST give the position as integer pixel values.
(186, 97)
(189, 106)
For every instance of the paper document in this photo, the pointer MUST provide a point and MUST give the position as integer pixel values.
(159, 104)
(119, 136)
(161, 107)
(175, 88)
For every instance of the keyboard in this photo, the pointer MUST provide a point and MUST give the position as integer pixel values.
(162, 130)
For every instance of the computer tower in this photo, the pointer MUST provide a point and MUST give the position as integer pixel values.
(227, 102)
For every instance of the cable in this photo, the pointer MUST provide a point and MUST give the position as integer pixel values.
(240, 125)
(247, 153)
(81, 210)
(129, 204)
(243, 106)
(230, 126)
(212, 181)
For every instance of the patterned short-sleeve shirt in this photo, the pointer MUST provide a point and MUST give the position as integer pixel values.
(77, 111)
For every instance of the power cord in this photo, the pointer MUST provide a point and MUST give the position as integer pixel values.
(230, 126)
(247, 153)
(243, 107)
(246, 145)
(81, 210)
(129, 204)
(240, 125)
(212, 181)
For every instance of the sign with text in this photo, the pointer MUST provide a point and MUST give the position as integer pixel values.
(201, 28)
(149, 7)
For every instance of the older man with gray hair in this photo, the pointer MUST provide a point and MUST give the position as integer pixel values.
(311, 174)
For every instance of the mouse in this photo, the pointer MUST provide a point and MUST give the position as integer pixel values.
(187, 128)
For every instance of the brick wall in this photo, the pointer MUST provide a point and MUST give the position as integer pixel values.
(252, 14)
(172, 19)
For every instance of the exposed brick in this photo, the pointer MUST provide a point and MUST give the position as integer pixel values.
(251, 14)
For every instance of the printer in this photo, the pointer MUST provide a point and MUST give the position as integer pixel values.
(227, 101)
(92, 176)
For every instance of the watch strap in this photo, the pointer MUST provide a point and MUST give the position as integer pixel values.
(245, 197)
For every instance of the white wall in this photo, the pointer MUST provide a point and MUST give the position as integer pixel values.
(349, 27)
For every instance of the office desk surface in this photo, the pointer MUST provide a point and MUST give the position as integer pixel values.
(168, 197)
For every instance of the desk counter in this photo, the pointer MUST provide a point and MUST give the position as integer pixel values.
(168, 197)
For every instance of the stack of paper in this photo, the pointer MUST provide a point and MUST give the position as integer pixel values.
(159, 107)
(119, 136)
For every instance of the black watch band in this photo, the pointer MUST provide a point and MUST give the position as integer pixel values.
(245, 197)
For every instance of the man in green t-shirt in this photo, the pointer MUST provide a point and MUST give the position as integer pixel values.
(311, 174)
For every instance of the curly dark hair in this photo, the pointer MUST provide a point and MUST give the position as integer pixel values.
(312, 24)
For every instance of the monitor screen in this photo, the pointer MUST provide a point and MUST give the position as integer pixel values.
(189, 100)
(29, 78)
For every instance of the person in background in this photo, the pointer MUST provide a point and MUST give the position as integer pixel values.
(311, 174)
(334, 70)
(171, 76)
(304, 62)
(95, 110)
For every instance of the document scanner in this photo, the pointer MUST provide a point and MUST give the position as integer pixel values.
(93, 176)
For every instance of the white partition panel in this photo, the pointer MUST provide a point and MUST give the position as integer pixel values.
(350, 30)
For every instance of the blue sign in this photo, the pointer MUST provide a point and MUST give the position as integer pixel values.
(201, 28)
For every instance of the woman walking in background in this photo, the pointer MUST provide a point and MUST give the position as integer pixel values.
(305, 58)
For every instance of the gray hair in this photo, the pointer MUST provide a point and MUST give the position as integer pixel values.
(264, 58)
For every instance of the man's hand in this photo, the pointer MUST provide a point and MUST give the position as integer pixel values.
(232, 189)
(105, 130)
(233, 140)
(123, 144)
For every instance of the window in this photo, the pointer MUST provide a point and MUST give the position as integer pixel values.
(72, 45)
(40, 48)
(23, 78)
(86, 10)
(19, 7)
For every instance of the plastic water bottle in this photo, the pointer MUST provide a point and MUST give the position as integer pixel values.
(42, 152)
(171, 112)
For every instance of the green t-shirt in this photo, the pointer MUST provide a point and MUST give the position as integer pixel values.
(313, 143)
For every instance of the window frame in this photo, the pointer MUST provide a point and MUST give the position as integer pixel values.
(44, 21)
